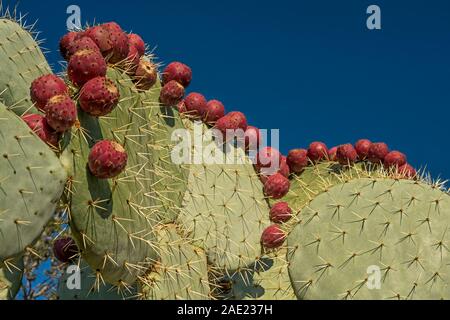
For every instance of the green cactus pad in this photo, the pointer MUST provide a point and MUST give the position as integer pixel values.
(112, 220)
(366, 232)
(90, 286)
(10, 278)
(22, 62)
(181, 272)
(32, 180)
(268, 279)
(226, 211)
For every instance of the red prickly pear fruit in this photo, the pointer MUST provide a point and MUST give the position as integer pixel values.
(332, 154)
(214, 111)
(276, 186)
(99, 96)
(85, 65)
(65, 250)
(346, 154)
(102, 38)
(196, 104)
(107, 159)
(136, 41)
(133, 60)
(394, 159)
(297, 160)
(273, 237)
(41, 128)
(269, 157)
(280, 212)
(232, 121)
(172, 94)
(284, 168)
(181, 107)
(317, 151)
(252, 138)
(112, 26)
(84, 43)
(407, 171)
(146, 75)
(66, 42)
(377, 152)
(61, 113)
(179, 72)
(46, 87)
(362, 148)
(121, 47)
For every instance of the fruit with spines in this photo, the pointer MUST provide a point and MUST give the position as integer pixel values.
(276, 186)
(146, 75)
(214, 111)
(407, 170)
(66, 42)
(83, 43)
(61, 113)
(280, 212)
(273, 237)
(172, 94)
(233, 121)
(41, 128)
(85, 65)
(65, 249)
(332, 154)
(346, 154)
(179, 72)
(377, 152)
(196, 104)
(269, 160)
(394, 159)
(253, 139)
(134, 40)
(362, 147)
(317, 151)
(99, 96)
(297, 160)
(107, 159)
(46, 87)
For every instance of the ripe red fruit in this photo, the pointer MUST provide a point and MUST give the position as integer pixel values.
(107, 159)
(273, 237)
(394, 159)
(280, 212)
(268, 157)
(99, 96)
(61, 113)
(214, 111)
(297, 160)
(362, 148)
(119, 40)
(252, 138)
(276, 186)
(196, 104)
(181, 107)
(346, 154)
(39, 125)
(284, 168)
(101, 36)
(179, 72)
(377, 152)
(136, 41)
(133, 60)
(146, 75)
(45, 87)
(407, 171)
(172, 94)
(85, 65)
(317, 151)
(84, 43)
(65, 250)
(65, 43)
(111, 40)
(332, 154)
(112, 26)
(232, 121)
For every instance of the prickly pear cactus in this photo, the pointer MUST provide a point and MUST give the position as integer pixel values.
(181, 272)
(32, 181)
(22, 61)
(113, 220)
(10, 278)
(398, 228)
(225, 210)
(89, 287)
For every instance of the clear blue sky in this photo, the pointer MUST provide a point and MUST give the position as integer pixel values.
(309, 68)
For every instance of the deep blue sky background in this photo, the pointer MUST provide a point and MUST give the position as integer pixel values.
(310, 68)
